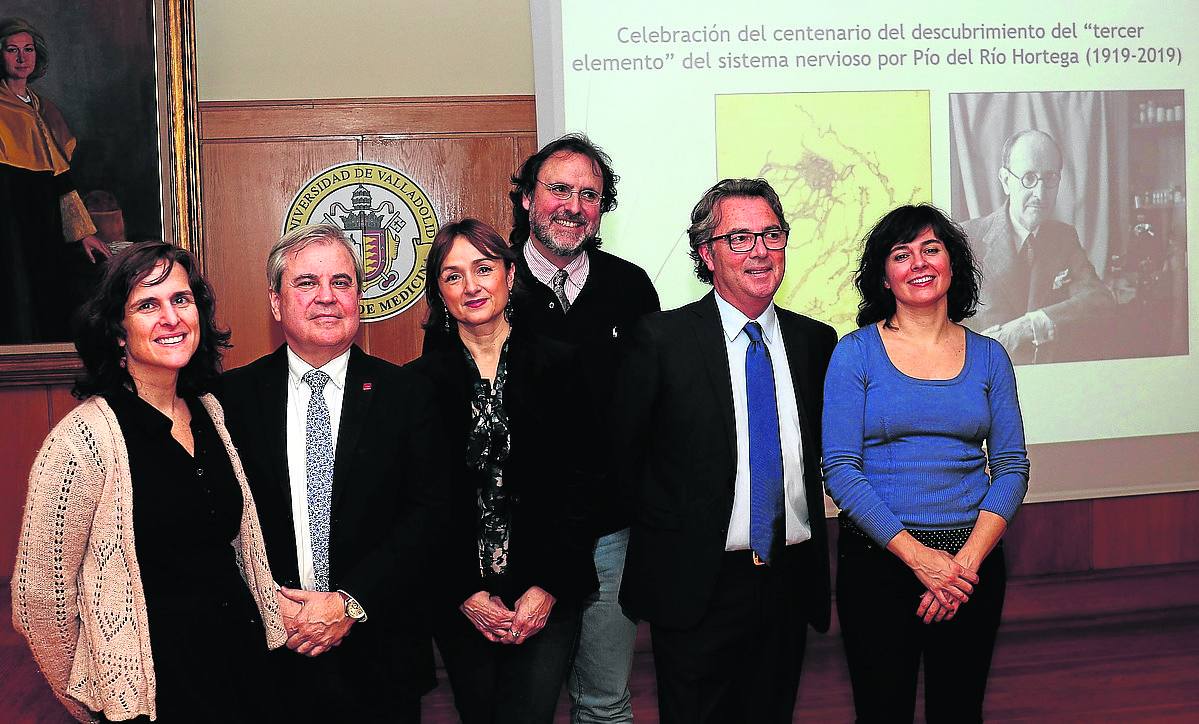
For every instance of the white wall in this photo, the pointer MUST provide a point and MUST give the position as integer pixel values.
(278, 49)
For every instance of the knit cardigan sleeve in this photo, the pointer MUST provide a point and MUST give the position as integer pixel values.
(248, 546)
(64, 488)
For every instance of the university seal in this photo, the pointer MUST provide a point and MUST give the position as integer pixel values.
(390, 221)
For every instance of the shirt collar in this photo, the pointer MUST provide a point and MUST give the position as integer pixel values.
(733, 320)
(137, 411)
(544, 269)
(335, 368)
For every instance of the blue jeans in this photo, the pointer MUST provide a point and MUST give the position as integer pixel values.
(599, 681)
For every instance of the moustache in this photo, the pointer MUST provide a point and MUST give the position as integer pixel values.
(567, 216)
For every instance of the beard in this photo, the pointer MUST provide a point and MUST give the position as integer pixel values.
(543, 231)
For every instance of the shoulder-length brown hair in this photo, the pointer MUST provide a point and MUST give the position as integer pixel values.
(100, 322)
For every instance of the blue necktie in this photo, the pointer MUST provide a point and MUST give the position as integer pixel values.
(765, 450)
(318, 444)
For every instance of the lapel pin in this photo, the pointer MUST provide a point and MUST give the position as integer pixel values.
(366, 387)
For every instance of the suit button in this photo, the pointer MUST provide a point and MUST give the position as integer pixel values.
(551, 305)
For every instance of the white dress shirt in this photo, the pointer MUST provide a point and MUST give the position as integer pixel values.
(733, 322)
(543, 270)
(298, 394)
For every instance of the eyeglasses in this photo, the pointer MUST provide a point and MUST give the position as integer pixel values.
(1031, 178)
(564, 192)
(742, 242)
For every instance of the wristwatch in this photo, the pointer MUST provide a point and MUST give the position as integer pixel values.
(354, 609)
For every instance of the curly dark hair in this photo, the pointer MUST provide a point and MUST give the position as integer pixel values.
(705, 217)
(11, 26)
(901, 226)
(100, 322)
(524, 181)
(484, 238)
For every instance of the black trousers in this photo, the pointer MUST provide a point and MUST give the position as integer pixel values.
(496, 683)
(742, 662)
(877, 596)
(329, 688)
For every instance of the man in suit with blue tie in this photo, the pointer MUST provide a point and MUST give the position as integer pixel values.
(341, 455)
(722, 400)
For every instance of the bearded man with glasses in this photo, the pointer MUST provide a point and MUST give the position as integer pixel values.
(1039, 287)
(569, 290)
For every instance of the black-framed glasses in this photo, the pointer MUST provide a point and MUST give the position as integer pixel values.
(1031, 178)
(563, 192)
(743, 242)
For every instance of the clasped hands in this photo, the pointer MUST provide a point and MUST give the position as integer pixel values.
(315, 621)
(949, 581)
(499, 624)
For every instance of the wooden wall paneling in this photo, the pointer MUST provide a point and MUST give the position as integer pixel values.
(247, 189)
(1050, 538)
(1146, 530)
(23, 427)
(465, 115)
(61, 402)
(465, 175)
(526, 145)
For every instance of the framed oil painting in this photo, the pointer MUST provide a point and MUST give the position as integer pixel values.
(98, 150)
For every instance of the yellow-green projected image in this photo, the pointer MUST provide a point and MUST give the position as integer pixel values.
(838, 161)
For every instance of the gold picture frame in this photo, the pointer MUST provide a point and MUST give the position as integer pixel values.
(175, 141)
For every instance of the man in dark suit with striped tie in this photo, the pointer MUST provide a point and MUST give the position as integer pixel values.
(721, 401)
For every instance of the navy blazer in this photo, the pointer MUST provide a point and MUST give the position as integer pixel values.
(679, 459)
(389, 500)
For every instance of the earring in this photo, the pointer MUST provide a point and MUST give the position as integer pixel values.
(508, 311)
(445, 316)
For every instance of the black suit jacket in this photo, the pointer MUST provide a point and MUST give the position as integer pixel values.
(389, 500)
(551, 471)
(676, 397)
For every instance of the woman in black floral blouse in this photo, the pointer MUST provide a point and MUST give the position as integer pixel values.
(517, 560)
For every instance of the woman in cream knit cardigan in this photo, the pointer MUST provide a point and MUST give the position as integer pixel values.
(141, 582)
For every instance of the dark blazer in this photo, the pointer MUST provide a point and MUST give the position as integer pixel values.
(680, 454)
(1061, 281)
(550, 471)
(389, 500)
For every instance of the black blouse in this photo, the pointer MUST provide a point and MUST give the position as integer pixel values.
(186, 513)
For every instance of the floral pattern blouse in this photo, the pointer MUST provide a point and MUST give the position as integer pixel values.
(487, 449)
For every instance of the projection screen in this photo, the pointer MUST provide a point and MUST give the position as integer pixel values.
(850, 109)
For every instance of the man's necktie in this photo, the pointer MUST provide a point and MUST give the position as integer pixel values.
(318, 443)
(558, 282)
(765, 450)
(1022, 266)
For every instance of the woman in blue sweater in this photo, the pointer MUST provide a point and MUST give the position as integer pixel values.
(909, 401)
